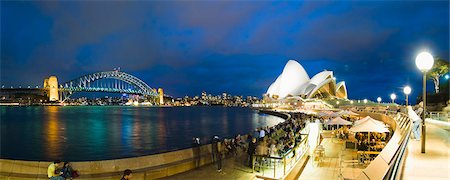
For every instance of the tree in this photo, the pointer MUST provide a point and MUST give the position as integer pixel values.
(439, 69)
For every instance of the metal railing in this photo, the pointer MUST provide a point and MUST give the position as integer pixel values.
(440, 116)
(279, 167)
(396, 168)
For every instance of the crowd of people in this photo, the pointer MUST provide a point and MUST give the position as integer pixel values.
(266, 141)
(376, 142)
(278, 140)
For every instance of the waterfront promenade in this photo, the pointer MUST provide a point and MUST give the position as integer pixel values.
(417, 165)
(232, 168)
(435, 163)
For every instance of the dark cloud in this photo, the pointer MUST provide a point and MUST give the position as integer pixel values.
(238, 47)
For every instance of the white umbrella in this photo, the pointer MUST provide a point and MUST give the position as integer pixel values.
(368, 118)
(325, 113)
(369, 125)
(350, 113)
(338, 121)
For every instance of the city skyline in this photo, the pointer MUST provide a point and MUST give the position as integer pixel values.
(236, 47)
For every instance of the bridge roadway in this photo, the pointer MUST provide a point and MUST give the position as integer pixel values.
(435, 162)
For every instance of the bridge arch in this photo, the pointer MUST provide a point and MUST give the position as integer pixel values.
(83, 83)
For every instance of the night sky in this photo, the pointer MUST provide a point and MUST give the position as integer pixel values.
(237, 47)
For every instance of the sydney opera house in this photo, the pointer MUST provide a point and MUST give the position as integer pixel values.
(295, 82)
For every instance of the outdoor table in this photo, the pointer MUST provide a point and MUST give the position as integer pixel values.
(368, 152)
(319, 153)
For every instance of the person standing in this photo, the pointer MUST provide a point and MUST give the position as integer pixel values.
(127, 175)
(262, 133)
(251, 151)
(51, 171)
(416, 129)
(216, 153)
(256, 133)
(196, 151)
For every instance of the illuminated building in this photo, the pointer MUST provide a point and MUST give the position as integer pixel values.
(294, 81)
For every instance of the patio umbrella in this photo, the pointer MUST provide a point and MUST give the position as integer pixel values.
(338, 121)
(325, 113)
(350, 113)
(368, 118)
(369, 125)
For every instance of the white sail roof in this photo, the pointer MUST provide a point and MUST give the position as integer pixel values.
(295, 81)
(290, 80)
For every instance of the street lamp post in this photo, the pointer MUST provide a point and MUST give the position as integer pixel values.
(424, 62)
(393, 97)
(379, 100)
(407, 91)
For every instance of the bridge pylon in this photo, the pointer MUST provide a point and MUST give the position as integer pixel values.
(51, 83)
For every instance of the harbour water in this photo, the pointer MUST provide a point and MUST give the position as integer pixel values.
(84, 133)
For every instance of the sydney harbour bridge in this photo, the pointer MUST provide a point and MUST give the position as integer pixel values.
(106, 81)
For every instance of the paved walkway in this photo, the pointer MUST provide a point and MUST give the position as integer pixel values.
(329, 168)
(232, 168)
(435, 163)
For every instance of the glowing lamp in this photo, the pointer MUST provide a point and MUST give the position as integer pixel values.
(393, 97)
(424, 61)
(407, 90)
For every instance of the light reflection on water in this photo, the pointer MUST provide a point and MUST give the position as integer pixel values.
(96, 133)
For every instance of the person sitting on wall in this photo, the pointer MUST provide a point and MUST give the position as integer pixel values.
(68, 171)
(127, 175)
(52, 171)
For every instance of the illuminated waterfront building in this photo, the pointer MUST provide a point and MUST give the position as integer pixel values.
(294, 81)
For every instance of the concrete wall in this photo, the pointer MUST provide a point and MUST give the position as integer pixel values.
(145, 167)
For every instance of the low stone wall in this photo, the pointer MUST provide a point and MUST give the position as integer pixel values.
(145, 167)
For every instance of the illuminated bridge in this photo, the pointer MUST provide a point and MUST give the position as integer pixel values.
(107, 81)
